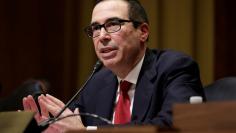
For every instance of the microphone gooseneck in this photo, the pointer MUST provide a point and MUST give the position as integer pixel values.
(46, 123)
(82, 114)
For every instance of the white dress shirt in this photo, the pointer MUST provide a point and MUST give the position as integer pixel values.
(132, 77)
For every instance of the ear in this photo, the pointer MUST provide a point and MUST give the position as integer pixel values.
(144, 28)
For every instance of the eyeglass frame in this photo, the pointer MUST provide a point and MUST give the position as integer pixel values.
(120, 22)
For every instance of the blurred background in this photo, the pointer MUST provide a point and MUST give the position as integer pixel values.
(44, 39)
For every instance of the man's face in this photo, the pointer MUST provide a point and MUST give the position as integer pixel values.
(120, 48)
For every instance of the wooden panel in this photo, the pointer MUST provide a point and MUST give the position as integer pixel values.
(212, 116)
(129, 129)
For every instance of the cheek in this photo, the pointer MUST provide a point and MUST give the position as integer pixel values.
(96, 49)
(130, 39)
(123, 38)
(95, 44)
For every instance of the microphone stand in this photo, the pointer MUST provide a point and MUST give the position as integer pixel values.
(43, 125)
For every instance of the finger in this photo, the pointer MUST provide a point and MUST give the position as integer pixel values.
(49, 106)
(48, 101)
(32, 104)
(55, 100)
(76, 111)
(44, 111)
(54, 105)
(26, 105)
(34, 108)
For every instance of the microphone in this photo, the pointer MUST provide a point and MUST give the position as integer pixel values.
(82, 114)
(43, 125)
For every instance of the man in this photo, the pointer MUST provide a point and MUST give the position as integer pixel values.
(120, 30)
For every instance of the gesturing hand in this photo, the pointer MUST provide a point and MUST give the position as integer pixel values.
(49, 104)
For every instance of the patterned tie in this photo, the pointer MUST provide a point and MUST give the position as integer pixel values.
(122, 109)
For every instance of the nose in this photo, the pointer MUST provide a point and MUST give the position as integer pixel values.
(104, 36)
(103, 32)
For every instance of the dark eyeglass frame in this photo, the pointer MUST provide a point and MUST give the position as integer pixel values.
(89, 32)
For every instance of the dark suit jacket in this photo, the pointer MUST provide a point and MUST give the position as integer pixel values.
(166, 77)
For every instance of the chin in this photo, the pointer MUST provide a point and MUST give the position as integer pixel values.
(111, 63)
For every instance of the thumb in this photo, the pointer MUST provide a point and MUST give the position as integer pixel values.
(76, 111)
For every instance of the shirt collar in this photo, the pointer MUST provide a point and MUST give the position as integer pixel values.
(132, 77)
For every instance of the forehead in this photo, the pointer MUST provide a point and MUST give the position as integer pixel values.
(110, 9)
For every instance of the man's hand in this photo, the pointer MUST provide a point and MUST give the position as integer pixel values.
(49, 104)
(29, 104)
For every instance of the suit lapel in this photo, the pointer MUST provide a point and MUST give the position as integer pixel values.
(144, 88)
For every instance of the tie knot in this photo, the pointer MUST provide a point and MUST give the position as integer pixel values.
(125, 86)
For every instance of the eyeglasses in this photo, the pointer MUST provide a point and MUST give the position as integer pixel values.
(112, 26)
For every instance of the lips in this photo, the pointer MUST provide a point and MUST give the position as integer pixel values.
(108, 52)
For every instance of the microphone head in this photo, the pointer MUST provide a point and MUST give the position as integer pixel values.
(97, 66)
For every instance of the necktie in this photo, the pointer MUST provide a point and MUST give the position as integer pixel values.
(122, 109)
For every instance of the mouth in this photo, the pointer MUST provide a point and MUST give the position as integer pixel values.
(108, 52)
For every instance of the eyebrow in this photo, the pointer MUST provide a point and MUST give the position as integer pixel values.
(109, 19)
